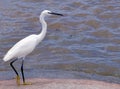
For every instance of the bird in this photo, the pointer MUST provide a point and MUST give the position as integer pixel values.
(25, 46)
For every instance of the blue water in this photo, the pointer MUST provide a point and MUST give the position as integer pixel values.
(85, 43)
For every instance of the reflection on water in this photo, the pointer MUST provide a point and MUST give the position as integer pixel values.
(85, 43)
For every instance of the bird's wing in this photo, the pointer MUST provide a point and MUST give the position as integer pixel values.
(21, 48)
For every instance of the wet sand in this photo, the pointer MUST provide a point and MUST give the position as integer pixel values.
(41, 83)
(82, 44)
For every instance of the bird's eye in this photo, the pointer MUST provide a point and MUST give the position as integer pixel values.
(49, 13)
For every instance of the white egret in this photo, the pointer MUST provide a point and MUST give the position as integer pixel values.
(25, 46)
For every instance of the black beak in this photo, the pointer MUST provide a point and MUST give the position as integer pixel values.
(56, 13)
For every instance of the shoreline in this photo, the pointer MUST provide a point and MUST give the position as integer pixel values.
(46, 83)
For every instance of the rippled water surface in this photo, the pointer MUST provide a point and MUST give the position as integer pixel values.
(85, 43)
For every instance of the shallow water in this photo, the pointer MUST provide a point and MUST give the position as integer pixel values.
(85, 43)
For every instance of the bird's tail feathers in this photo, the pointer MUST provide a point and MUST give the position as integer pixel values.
(6, 58)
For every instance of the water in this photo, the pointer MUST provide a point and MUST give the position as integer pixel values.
(85, 43)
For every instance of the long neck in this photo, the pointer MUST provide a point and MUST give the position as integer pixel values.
(44, 28)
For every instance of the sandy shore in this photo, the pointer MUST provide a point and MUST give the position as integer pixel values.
(59, 84)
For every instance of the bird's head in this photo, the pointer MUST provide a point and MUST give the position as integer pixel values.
(47, 12)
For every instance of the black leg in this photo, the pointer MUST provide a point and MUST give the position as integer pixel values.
(11, 64)
(17, 77)
(22, 72)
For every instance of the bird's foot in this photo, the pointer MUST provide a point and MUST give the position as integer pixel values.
(18, 80)
(28, 83)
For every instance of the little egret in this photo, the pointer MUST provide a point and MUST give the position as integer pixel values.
(25, 46)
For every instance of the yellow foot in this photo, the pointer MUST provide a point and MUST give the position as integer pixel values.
(18, 80)
(28, 83)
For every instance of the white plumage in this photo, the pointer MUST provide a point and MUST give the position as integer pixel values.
(25, 46)
(22, 48)
(28, 44)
